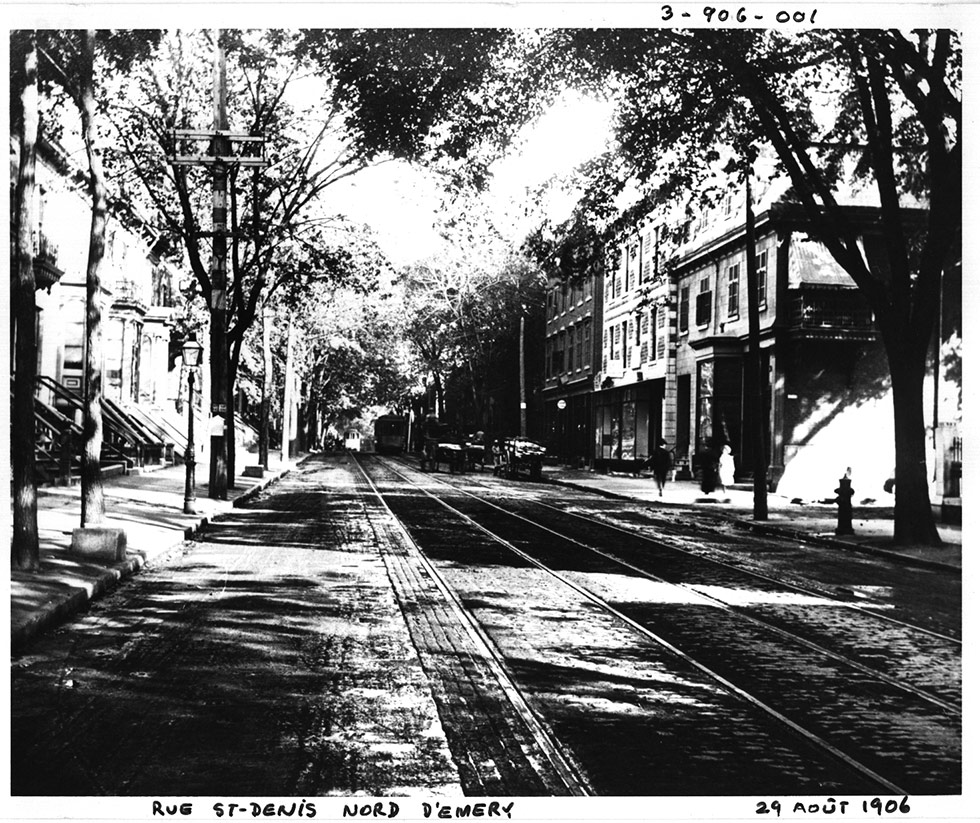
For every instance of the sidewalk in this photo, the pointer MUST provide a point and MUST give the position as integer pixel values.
(814, 522)
(149, 506)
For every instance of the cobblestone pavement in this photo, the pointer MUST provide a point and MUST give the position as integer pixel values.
(305, 646)
(700, 607)
(271, 658)
(637, 718)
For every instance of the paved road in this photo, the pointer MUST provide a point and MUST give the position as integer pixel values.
(270, 659)
(881, 694)
(313, 644)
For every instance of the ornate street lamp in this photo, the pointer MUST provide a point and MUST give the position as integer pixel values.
(191, 351)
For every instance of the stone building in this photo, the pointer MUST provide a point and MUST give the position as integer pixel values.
(674, 345)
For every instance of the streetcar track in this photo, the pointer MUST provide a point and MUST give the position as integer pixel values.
(550, 746)
(814, 739)
(864, 611)
(716, 601)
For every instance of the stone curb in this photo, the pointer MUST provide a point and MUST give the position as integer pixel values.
(783, 531)
(60, 611)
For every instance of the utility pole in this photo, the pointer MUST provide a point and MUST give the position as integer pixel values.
(758, 430)
(221, 440)
(220, 158)
(523, 395)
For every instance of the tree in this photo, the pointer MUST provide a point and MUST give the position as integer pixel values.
(464, 308)
(349, 351)
(25, 550)
(688, 97)
(69, 59)
(277, 230)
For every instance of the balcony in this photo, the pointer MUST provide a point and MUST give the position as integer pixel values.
(46, 269)
(129, 294)
(830, 314)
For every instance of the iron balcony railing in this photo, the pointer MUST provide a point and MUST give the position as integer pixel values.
(830, 310)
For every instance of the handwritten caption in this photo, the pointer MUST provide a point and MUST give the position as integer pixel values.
(743, 14)
(876, 805)
(251, 808)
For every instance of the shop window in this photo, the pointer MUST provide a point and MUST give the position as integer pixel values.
(683, 445)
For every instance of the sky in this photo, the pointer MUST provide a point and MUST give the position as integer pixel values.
(401, 202)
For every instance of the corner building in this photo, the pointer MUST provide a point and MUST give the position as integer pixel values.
(674, 346)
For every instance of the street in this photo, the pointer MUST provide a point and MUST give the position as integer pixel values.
(363, 627)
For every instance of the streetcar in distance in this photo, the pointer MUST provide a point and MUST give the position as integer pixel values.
(390, 434)
(352, 440)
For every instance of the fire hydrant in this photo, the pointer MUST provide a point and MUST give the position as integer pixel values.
(844, 494)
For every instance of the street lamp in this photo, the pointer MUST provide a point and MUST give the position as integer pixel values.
(191, 351)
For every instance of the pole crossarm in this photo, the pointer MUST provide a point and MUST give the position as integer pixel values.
(210, 160)
(229, 138)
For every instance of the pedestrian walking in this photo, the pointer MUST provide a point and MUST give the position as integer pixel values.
(726, 468)
(707, 461)
(660, 461)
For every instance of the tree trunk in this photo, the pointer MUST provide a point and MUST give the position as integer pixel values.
(757, 430)
(440, 398)
(25, 552)
(287, 395)
(230, 421)
(266, 388)
(914, 522)
(93, 499)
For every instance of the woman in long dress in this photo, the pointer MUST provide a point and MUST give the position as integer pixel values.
(726, 468)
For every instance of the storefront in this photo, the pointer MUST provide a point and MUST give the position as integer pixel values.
(627, 425)
(568, 427)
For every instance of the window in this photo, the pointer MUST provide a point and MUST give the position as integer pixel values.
(702, 307)
(626, 342)
(762, 267)
(638, 326)
(578, 345)
(733, 290)
(661, 332)
(586, 342)
(685, 308)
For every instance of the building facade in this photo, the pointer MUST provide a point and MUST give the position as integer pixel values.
(572, 313)
(674, 349)
(136, 300)
(634, 385)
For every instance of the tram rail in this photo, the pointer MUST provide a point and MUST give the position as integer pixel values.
(946, 708)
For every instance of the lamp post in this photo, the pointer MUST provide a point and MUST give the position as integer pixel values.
(191, 351)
